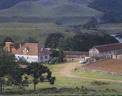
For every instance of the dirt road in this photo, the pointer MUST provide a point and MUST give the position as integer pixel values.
(67, 71)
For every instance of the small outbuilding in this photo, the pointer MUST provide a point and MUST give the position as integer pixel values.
(74, 55)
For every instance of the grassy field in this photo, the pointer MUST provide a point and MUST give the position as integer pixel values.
(98, 75)
(111, 27)
(68, 86)
(38, 31)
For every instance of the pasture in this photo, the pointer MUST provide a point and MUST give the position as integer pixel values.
(38, 31)
(71, 80)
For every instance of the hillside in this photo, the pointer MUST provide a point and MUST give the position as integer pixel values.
(53, 10)
(20, 19)
(21, 31)
(111, 8)
(36, 9)
(9, 3)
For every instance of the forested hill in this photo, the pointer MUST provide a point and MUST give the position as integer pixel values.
(4, 4)
(111, 8)
(9, 3)
(61, 11)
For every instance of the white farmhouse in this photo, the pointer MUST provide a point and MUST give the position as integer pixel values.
(108, 51)
(30, 52)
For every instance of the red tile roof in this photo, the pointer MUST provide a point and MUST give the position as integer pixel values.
(109, 47)
(28, 49)
(74, 54)
(32, 49)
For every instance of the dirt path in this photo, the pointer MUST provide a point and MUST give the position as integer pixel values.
(68, 69)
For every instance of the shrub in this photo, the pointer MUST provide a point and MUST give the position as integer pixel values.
(99, 83)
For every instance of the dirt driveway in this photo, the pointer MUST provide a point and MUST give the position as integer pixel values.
(68, 68)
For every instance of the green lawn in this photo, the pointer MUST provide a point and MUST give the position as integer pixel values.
(67, 86)
(97, 75)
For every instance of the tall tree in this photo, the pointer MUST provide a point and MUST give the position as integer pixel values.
(30, 40)
(53, 40)
(57, 56)
(7, 65)
(7, 62)
(37, 70)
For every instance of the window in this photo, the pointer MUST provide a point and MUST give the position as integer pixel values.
(41, 57)
(46, 57)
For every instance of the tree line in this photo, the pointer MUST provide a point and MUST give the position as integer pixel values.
(78, 42)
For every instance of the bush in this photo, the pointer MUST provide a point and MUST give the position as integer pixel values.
(54, 60)
(99, 83)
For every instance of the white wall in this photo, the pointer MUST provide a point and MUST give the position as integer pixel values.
(117, 56)
(44, 58)
(93, 52)
(28, 58)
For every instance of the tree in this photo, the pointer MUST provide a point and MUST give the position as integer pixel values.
(53, 40)
(112, 9)
(37, 70)
(7, 62)
(8, 66)
(61, 56)
(57, 56)
(85, 41)
(66, 44)
(92, 24)
(30, 40)
(8, 39)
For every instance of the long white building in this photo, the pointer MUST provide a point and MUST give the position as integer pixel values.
(107, 51)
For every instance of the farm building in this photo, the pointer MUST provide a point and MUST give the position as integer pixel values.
(74, 55)
(30, 52)
(108, 51)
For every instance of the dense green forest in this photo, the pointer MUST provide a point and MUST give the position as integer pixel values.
(112, 9)
(79, 42)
